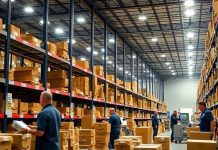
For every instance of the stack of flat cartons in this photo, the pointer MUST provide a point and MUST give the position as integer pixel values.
(99, 70)
(131, 124)
(189, 129)
(62, 49)
(123, 144)
(102, 135)
(164, 141)
(110, 95)
(88, 121)
(201, 145)
(58, 80)
(52, 48)
(78, 111)
(6, 142)
(64, 137)
(137, 140)
(31, 39)
(29, 75)
(20, 141)
(83, 64)
(33, 142)
(120, 98)
(82, 84)
(129, 99)
(146, 133)
(87, 139)
(34, 108)
(148, 147)
(134, 86)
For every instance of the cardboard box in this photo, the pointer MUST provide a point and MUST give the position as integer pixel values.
(164, 141)
(82, 63)
(102, 128)
(6, 142)
(137, 140)
(57, 74)
(146, 133)
(100, 146)
(64, 136)
(52, 48)
(86, 132)
(189, 129)
(87, 122)
(1, 23)
(121, 144)
(148, 147)
(63, 53)
(15, 30)
(31, 39)
(64, 110)
(15, 105)
(110, 77)
(67, 125)
(34, 108)
(23, 108)
(201, 145)
(62, 45)
(61, 82)
(20, 141)
(196, 135)
(87, 147)
(86, 140)
(102, 139)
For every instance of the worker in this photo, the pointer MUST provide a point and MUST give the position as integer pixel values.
(174, 121)
(48, 125)
(115, 122)
(155, 123)
(206, 117)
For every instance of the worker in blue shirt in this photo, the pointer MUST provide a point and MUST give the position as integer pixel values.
(206, 117)
(155, 123)
(48, 125)
(174, 121)
(115, 122)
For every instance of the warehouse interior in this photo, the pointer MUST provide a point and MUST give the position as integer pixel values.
(138, 57)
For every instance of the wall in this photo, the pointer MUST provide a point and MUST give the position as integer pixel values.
(180, 93)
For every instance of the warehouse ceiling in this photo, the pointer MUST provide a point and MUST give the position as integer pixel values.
(155, 29)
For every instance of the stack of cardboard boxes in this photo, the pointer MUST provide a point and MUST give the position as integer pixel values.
(148, 147)
(6, 142)
(29, 75)
(31, 39)
(83, 64)
(129, 99)
(81, 84)
(99, 70)
(102, 135)
(58, 80)
(110, 95)
(65, 111)
(189, 129)
(197, 135)
(137, 140)
(123, 144)
(201, 145)
(87, 139)
(131, 124)
(64, 137)
(62, 49)
(164, 141)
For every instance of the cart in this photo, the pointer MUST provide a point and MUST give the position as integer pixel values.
(179, 133)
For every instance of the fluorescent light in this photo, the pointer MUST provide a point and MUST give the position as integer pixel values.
(163, 56)
(189, 3)
(120, 68)
(190, 47)
(190, 35)
(189, 12)
(173, 73)
(59, 31)
(110, 62)
(83, 58)
(167, 63)
(190, 73)
(134, 56)
(6, 1)
(190, 62)
(81, 20)
(148, 71)
(144, 71)
(73, 41)
(129, 74)
(154, 39)
(88, 49)
(111, 40)
(190, 67)
(28, 9)
(102, 50)
(142, 17)
(41, 22)
(170, 67)
(126, 72)
(95, 53)
(190, 54)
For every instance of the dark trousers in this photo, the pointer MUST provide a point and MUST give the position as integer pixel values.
(155, 131)
(115, 134)
(172, 134)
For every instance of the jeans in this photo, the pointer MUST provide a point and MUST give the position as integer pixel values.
(115, 134)
(155, 131)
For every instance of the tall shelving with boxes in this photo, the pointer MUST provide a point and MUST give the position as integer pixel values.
(207, 88)
(31, 65)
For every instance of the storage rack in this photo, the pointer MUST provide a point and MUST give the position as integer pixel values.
(17, 46)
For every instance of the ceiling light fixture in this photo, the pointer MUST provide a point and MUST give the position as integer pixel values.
(28, 9)
(190, 54)
(120, 68)
(174, 74)
(126, 72)
(102, 50)
(163, 56)
(111, 40)
(189, 12)
(134, 56)
(81, 20)
(170, 67)
(83, 58)
(190, 67)
(190, 62)
(41, 22)
(142, 17)
(190, 35)
(189, 3)
(172, 71)
(59, 31)
(74, 41)
(110, 62)
(190, 73)
(95, 53)
(167, 63)
(154, 39)
(88, 49)
(190, 47)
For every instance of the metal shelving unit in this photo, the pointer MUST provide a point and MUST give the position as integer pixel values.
(17, 46)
